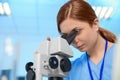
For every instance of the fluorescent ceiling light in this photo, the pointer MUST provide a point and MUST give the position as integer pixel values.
(109, 13)
(97, 10)
(6, 8)
(94, 8)
(1, 9)
(103, 12)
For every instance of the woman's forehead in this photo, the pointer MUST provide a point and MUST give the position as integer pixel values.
(69, 24)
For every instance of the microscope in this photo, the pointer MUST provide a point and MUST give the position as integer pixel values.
(52, 59)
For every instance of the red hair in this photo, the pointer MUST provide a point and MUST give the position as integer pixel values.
(81, 10)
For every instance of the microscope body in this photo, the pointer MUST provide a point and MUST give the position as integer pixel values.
(51, 60)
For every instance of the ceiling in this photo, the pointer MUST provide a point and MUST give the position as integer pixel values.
(29, 18)
(36, 17)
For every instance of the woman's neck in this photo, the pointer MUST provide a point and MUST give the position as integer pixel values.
(96, 52)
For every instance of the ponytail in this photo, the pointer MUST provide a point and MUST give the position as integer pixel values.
(107, 35)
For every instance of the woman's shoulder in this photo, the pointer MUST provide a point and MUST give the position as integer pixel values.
(78, 64)
(82, 59)
(111, 47)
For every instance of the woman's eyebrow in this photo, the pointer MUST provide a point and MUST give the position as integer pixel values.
(76, 28)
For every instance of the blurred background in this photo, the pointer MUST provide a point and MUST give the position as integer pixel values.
(26, 23)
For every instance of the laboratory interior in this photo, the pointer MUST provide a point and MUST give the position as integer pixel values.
(25, 24)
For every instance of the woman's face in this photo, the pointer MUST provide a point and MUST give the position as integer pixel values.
(86, 36)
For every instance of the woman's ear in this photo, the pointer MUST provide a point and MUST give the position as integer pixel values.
(96, 24)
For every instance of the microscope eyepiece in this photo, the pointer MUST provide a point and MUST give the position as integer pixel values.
(71, 36)
(65, 65)
(53, 62)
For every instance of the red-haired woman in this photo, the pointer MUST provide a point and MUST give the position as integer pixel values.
(97, 43)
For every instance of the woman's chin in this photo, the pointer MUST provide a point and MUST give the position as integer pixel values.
(82, 50)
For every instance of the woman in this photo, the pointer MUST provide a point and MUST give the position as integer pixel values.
(96, 42)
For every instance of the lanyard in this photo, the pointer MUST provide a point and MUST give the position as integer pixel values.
(102, 65)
